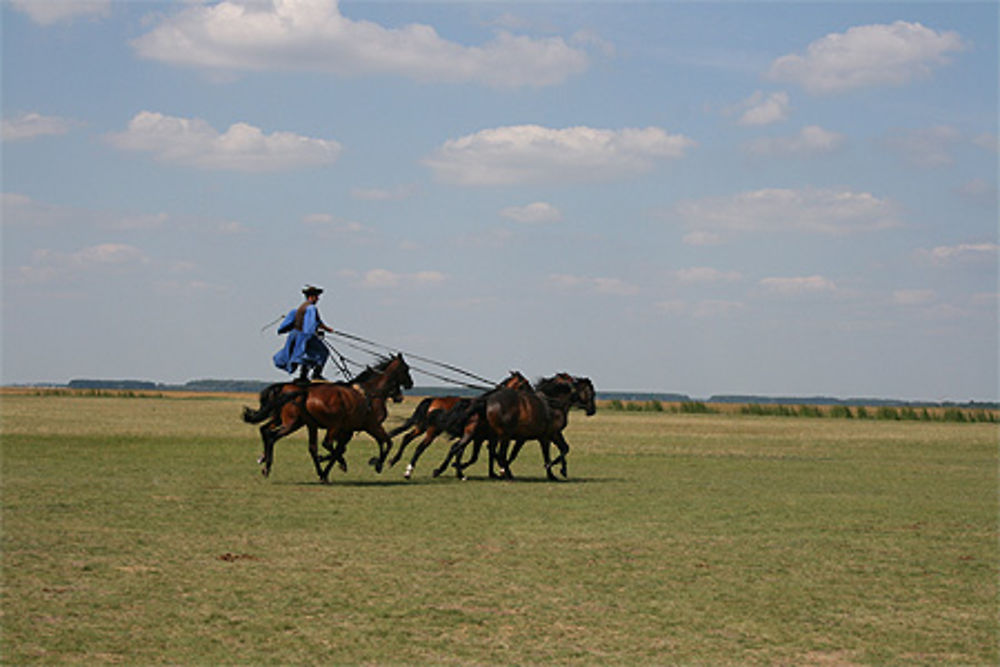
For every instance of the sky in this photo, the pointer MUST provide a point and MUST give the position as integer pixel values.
(789, 199)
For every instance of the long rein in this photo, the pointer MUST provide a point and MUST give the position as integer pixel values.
(359, 343)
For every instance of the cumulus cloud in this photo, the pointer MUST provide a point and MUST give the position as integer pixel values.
(913, 297)
(384, 194)
(192, 142)
(798, 285)
(810, 210)
(924, 147)
(706, 274)
(811, 140)
(386, 279)
(536, 213)
(869, 55)
(534, 154)
(601, 285)
(327, 224)
(48, 265)
(963, 253)
(760, 110)
(48, 12)
(28, 126)
(313, 35)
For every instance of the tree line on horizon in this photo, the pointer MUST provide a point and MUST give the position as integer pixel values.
(623, 397)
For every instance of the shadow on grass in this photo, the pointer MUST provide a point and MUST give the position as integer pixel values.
(444, 481)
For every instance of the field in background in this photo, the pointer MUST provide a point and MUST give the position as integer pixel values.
(141, 531)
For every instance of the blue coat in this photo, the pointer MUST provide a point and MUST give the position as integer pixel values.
(302, 346)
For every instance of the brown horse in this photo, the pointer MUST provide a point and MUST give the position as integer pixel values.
(339, 407)
(541, 415)
(429, 417)
(583, 397)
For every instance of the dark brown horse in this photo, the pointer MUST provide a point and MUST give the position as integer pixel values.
(583, 397)
(541, 415)
(429, 417)
(339, 407)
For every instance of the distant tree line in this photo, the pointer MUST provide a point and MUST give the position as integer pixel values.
(619, 399)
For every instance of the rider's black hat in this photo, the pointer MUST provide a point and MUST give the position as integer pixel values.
(309, 290)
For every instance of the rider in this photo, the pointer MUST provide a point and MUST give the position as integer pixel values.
(304, 348)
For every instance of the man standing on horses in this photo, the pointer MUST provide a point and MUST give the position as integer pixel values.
(304, 348)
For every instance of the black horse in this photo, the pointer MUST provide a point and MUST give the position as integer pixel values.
(339, 407)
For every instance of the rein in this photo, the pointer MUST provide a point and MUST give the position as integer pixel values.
(424, 371)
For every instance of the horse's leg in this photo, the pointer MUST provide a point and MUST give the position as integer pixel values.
(384, 445)
(429, 436)
(337, 455)
(501, 456)
(455, 450)
(491, 448)
(544, 443)
(563, 446)
(271, 436)
(314, 452)
(518, 443)
(407, 439)
(265, 431)
(460, 467)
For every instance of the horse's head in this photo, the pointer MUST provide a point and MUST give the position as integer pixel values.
(516, 381)
(399, 371)
(584, 395)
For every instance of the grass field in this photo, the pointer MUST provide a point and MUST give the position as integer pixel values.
(140, 531)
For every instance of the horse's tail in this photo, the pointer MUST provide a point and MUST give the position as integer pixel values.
(272, 399)
(418, 418)
(453, 422)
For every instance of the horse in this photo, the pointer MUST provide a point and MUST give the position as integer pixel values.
(429, 418)
(584, 395)
(341, 408)
(540, 414)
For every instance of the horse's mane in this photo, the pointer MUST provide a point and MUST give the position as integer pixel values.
(552, 386)
(372, 371)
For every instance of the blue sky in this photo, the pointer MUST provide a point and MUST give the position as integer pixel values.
(771, 198)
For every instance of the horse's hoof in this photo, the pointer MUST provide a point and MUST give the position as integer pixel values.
(436, 473)
(342, 465)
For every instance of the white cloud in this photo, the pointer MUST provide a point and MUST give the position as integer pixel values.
(31, 125)
(192, 142)
(913, 297)
(760, 110)
(609, 286)
(987, 140)
(980, 190)
(706, 274)
(869, 55)
(328, 224)
(384, 194)
(47, 12)
(798, 285)
(963, 253)
(313, 35)
(813, 210)
(701, 237)
(713, 308)
(534, 154)
(536, 213)
(49, 265)
(385, 279)
(811, 140)
(925, 147)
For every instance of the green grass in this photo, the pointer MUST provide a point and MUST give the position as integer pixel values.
(142, 532)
